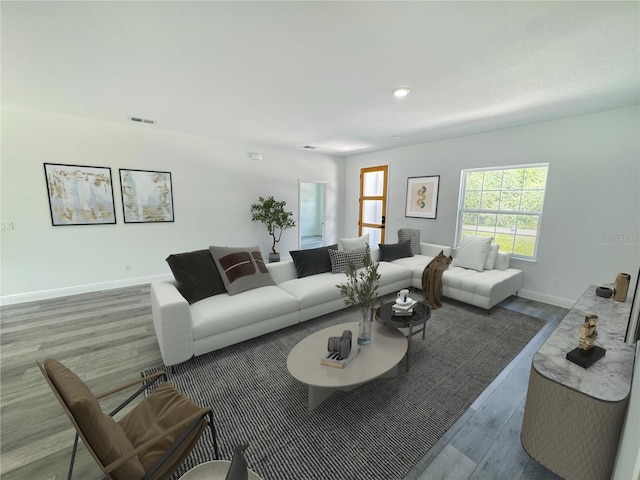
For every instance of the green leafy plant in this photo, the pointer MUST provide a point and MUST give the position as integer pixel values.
(361, 289)
(273, 215)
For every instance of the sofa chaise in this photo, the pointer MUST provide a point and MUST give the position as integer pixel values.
(185, 329)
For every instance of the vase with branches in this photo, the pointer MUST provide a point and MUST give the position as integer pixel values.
(272, 213)
(361, 291)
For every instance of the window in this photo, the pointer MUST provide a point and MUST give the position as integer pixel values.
(504, 203)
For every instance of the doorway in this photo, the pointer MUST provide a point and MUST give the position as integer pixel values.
(373, 203)
(311, 214)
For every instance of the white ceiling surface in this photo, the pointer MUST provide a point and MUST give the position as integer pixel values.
(289, 74)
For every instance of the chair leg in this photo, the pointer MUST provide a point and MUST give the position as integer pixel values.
(213, 434)
(73, 457)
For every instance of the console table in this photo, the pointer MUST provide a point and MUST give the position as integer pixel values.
(573, 416)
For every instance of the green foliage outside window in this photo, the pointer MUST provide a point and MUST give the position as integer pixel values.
(504, 203)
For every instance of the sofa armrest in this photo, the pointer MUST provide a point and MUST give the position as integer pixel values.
(172, 323)
(432, 249)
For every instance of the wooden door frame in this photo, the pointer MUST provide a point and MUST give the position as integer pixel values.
(362, 198)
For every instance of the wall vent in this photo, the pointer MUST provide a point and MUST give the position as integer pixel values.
(142, 120)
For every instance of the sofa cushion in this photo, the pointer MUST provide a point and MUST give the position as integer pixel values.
(223, 313)
(490, 263)
(106, 437)
(473, 252)
(312, 261)
(393, 251)
(340, 259)
(354, 243)
(413, 235)
(241, 269)
(196, 275)
(316, 289)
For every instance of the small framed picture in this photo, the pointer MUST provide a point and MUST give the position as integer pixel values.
(422, 196)
(147, 196)
(79, 195)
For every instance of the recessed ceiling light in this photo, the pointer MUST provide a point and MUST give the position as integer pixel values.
(401, 91)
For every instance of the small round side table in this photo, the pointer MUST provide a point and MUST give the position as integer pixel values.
(421, 314)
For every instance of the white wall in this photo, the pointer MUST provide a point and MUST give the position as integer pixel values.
(214, 183)
(591, 223)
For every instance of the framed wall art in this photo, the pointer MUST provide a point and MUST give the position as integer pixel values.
(422, 196)
(79, 195)
(146, 196)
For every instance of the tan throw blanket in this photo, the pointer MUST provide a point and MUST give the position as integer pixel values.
(432, 279)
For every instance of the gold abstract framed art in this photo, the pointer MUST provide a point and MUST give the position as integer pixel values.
(147, 196)
(79, 194)
(422, 196)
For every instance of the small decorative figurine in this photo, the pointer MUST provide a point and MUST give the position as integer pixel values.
(587, 352)
(588, 333)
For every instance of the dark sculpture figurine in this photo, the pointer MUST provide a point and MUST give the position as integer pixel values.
(238, 468)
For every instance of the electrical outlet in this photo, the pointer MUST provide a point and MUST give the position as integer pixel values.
(556, 283)
(127, 267)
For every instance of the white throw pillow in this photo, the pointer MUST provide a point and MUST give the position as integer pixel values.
(353, 243)
(473, 252)
(503, 261)
(491, 258)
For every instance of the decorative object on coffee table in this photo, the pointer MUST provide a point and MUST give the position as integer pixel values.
(361, 291)
(272, 213)
(340, 351)
(587, 352)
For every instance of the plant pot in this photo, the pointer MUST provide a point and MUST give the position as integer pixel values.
(274, 257)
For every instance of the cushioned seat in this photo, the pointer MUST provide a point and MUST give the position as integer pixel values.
(224, 312)
(150, 442)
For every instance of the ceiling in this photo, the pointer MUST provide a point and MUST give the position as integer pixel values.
(294, 74)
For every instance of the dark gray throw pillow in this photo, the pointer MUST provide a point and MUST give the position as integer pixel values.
(312, 261)
(393, 251)
(196, 275)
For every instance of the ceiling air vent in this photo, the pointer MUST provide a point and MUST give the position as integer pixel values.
(142, 120)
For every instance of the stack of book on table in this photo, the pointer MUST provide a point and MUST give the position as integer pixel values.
(403, 309)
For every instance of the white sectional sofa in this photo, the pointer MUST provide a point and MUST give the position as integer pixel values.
(184, 330)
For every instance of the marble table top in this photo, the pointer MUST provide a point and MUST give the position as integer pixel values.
(608, 379)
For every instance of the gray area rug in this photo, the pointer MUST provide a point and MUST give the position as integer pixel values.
(377, 431)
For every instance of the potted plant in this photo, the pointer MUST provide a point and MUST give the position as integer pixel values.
(273, 215)
(361, 291)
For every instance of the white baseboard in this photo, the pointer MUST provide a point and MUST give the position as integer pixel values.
(544, 298)
(93, 287)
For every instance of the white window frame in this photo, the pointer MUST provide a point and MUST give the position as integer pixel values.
(486, 230)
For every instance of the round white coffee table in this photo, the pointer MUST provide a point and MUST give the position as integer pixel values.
(379, 359)
(215, 470)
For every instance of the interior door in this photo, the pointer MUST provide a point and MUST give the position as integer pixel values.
(311, 214)
(373, 203)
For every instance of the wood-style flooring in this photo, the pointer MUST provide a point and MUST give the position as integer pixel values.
(107, 338)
